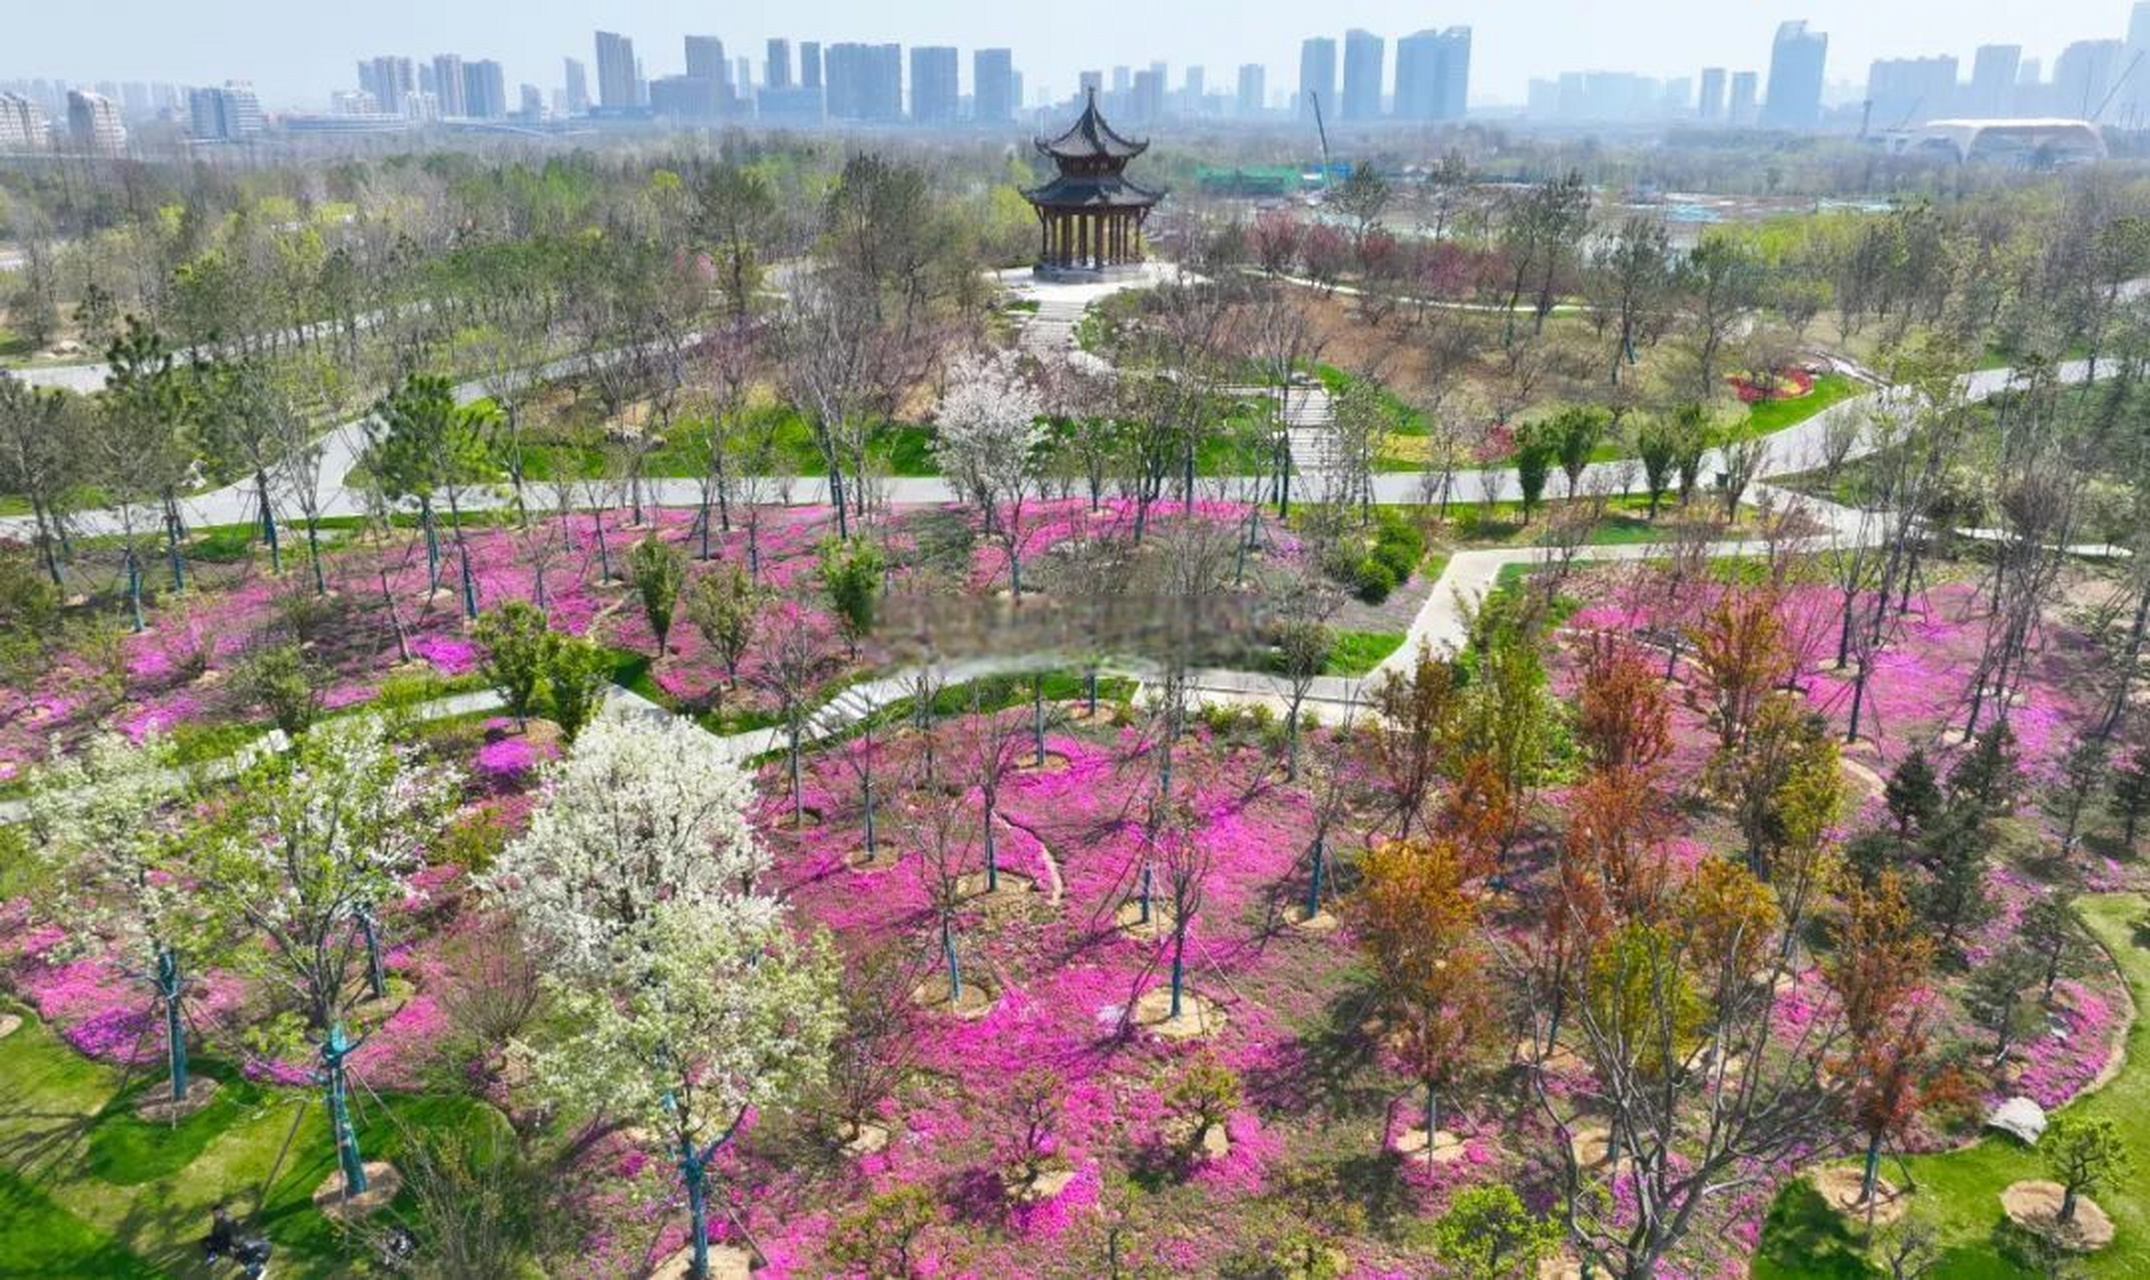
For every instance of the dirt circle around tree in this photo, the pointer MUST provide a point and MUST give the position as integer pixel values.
(726, 1262)
(1039, 1189)
(383, 1182)
(2034, 1205)
(1411, 1144)
(1199, 1015)
(1319, 923)
(881, 859)
(1840, 1188)
(1013, 889)
(1055, 762)
(867, 1137)
(806, 819)
(10, 1023)
(975, 1001)
(159, 1107)
(1128, 919)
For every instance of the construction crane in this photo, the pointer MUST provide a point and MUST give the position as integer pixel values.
(1314, 100)
(2120, 81)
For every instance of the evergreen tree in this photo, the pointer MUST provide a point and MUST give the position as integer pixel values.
(1913, 794)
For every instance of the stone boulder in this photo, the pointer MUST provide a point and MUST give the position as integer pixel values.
(2021, 1117)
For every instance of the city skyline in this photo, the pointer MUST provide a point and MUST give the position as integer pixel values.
(296, 57)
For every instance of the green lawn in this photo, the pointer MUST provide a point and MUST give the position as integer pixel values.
(1358, 652)
(1959, 1192)
(1770, 416)
(86, 1189)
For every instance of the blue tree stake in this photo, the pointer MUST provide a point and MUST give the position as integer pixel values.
(175, 1034)
(470, 586)
(134, 591)
(1313, 888)
(179, 563)
(333, 1051)
(376, 978)
(948, 953)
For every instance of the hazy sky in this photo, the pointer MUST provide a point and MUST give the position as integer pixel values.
(298, 51)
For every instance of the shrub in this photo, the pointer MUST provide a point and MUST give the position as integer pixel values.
(518, 648)
(1373, 581)
(282, 679)
(472, 841)
(658, 571)
(576, 674)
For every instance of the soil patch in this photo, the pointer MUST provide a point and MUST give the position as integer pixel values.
(726, 1262)
(159, 1107)
(975, 1001)
(1447, 1147)
(1840, 1190)
(1199, 1015)
(1013, 889)
(2034, 1205)
(382, 1185)
(1128, 919)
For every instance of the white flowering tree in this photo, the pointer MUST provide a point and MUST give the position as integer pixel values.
(720, 1012)
(309, 843)
(987, 439)
(685, 999)
(109, 827)
(637, 814)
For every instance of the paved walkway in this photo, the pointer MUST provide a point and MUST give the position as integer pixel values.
(1049, 330)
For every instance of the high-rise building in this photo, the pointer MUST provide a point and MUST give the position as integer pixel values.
(1193, 89)
(1250, 99)
(743, 73)
(530, 102)
(2134, 99)
(228, 114)
(705, 59)
(776, 64)
(1797, 58)
(934, 95)
(389, 78)
(615, 72)
(420, 107)
(353, 102)
(810, 65)
(1363, 58)
(1433, 70)
(1317, 75)
(1709, 104)
(1741, 107)
(485, 90)
(685, 97)
(577, 96)
(93, 122)
(448, 84)
(1991, 92)
(22, 124)
(864, 82)
(1146, 100)
(992, 85)
(2084, 76)
(1904, 91)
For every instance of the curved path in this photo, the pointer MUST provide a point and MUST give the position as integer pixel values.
(1050, 330)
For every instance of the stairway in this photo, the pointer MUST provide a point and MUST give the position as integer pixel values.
(1050, 330)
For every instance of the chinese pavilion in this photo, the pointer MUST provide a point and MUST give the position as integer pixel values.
(1090, 216)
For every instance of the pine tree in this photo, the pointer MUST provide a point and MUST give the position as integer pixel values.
(2131, 793)
(1913, 794)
